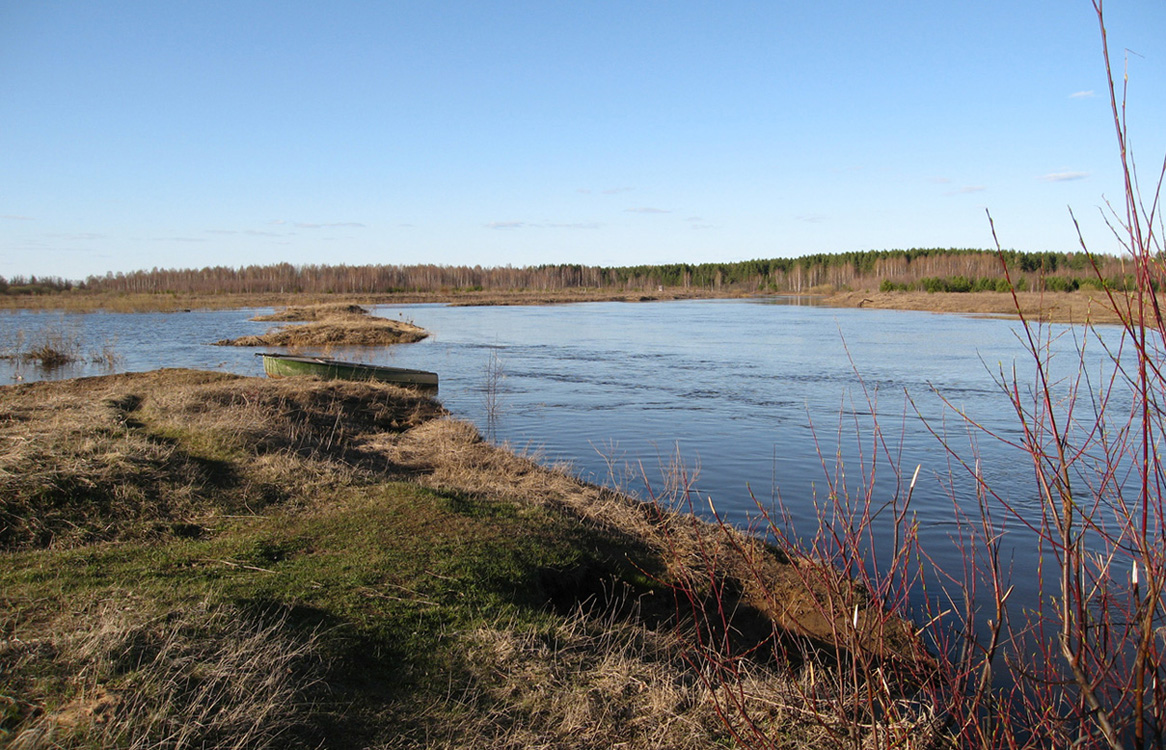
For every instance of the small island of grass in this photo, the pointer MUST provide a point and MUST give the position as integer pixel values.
(331, 325)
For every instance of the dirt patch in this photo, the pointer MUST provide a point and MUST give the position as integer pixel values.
(331, 325)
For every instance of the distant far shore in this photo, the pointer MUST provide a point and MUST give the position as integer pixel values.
(1052, 307)
(1060, 307)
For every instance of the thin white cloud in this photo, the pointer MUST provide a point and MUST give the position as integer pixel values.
(15, 217)
(968, 189)
(1064, 176)
(331, 225)
(646, 210)
(248, 232)
(605, 191)
(547, 225)
(314, 224)
(1081, 95)
(574, 225)
(77, 236)
(812, 218)
(941, 180)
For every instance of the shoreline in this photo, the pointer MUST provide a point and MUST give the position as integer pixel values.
(1076, 307)
(369, 539)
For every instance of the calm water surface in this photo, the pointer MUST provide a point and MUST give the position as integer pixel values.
(752, 396)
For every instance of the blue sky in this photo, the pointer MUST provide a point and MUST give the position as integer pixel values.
(156, 134)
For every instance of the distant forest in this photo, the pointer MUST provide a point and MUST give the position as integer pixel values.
(951, 270)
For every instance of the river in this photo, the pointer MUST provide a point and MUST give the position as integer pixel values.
(761, 401)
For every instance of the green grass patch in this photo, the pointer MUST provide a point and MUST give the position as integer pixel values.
(199, 560)
(386, 575)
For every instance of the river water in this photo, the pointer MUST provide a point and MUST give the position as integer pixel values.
(760, 400)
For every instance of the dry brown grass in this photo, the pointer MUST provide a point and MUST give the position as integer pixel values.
(77, 301)
(371, 332)
(107, 458)
(331, 325)
(199, 677)
(1056, 307)
(137, 457)
(305, 313)
(601, 679)
(798, 596)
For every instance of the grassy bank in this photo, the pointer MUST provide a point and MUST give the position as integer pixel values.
(1061, 307)
(1053, 307)
(83, 301)
(194, 559)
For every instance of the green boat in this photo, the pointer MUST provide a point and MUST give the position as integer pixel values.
(287, 365)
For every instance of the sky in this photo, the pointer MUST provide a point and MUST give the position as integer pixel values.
(137, 135)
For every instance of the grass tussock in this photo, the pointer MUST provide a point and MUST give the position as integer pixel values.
(306, 313)
(133, 455)
(331, 564)
(331, 325)
(207, 676)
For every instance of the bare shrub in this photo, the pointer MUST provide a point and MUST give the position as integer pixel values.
(1083, 664)
(742, 604)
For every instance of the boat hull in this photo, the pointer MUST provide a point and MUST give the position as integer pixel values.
(286, 365)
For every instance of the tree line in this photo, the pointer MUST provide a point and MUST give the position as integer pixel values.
(930, 269)
(34, 285)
